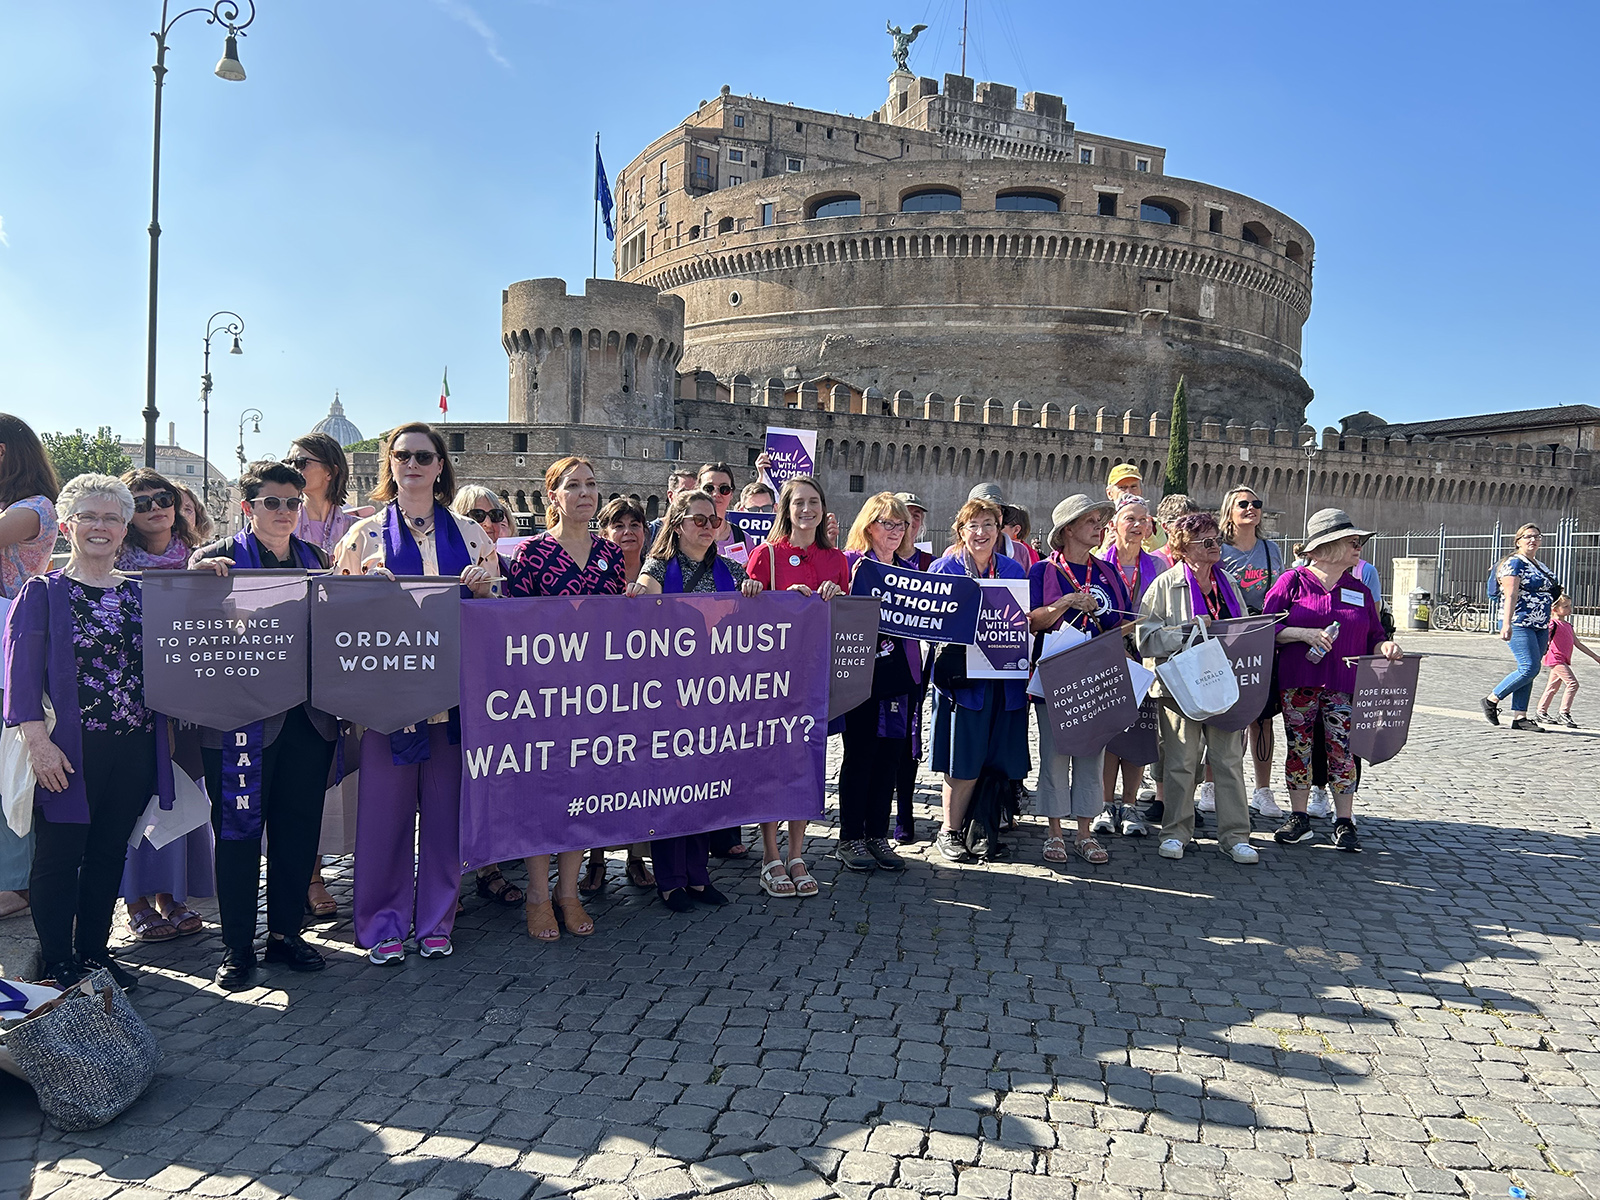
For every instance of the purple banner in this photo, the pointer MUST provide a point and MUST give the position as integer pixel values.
(602, 720)
(756, 524)
(1251, 645)
(1088, 694)
(855, 650)
(915, 604)
(1380, 708)
(1003, 642)
(792, 451)
(1139, 743)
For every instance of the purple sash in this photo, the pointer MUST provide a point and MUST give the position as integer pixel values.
(402, 555)
(247, 552)
(672, 580)
(1198, 598)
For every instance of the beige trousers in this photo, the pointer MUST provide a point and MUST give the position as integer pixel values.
(1182, 742)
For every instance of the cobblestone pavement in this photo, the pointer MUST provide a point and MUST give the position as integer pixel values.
(1417, 1020)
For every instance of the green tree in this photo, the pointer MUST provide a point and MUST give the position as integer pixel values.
(79, 453)
(1177, 479)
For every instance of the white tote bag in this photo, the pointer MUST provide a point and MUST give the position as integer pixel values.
(1199, 678)
(16, 774)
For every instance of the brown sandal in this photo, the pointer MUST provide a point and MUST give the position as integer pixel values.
(542, 925)
(594, 877)
(638, 874)
(578, 922)
(318, 901)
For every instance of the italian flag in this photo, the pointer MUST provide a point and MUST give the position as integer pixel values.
(444, 393)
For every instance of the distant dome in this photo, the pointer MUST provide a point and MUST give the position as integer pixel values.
(340, 427)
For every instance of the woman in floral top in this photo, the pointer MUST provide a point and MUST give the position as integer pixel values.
(1528, 590)
(28, 490)
(75, 637)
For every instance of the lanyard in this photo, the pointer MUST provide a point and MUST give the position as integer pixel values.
(1074, 614)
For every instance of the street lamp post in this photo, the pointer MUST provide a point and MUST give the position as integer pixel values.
(233, 329)
(1309, 449)
(253, 415)
(225, 12)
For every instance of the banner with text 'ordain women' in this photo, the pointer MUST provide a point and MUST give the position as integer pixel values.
(601, 720)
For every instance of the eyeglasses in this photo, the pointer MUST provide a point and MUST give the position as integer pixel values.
(1242, 505)
(143, 504)
(719, 489)
(891, 526)
(300, 464)
(425, 458)
(274, 503)
(980, 527)
(701, 521)
(480, 515)
(88, 518)
(1206, 543)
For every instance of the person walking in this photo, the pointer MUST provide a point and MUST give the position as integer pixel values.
(1329, 621)
(1528, 591)
(1194, 590)
(798, 556)
(1563, 640)
(1255, 564)
(74, 638)
(292, 752)
(877, 731)
(408, 856)
(685, 558)
(567, 561)
(1073, 587)
(28, 529)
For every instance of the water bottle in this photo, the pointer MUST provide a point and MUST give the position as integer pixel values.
(1316, 654)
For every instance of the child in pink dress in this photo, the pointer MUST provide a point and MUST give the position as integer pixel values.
(1563, 638)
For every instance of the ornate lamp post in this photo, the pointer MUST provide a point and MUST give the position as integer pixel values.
(232, 329)
(253, 415)
(224, 12)
(1309, 449)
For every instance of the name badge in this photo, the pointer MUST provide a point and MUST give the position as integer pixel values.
(1355, 599)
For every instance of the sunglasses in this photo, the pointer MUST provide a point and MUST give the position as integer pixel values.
(425, 458)
(274, 503)
(701, 521)
(143, 504)
(1207, 543)
(300, 464)
(1245, 504)
(480, 515)
(720, 489)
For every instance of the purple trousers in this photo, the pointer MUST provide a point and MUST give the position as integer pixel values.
(681, 861)
(407, 878)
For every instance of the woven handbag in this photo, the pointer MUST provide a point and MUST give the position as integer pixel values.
(86, 1053)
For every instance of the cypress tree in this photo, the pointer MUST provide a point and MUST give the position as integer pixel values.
(1177, 478)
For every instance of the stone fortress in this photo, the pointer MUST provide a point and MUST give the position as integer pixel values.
(956, 290)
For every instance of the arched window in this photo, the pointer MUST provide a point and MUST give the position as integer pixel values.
(725, 225)
(834, 206)
(1256, 234)
(1025, 202)
(1295, 252)
(1159, 212)
(931, 200)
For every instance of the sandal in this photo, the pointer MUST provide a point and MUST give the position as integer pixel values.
(638, 874)
(1090, 851)
(318, 902)
(147, 925)
(542, 925)
(805, 884)
(594, 878)
(185, 920)
(775, 880)
(1055, 849)
(578, 922)
(507, 893)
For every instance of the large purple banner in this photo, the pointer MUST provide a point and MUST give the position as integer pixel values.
(602, 720)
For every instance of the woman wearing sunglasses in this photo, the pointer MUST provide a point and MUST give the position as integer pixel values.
(684, 558)
(411, 779)
(323, 519)
(716, 480)
(1255, 564)
(1194, 590)
(158, 537)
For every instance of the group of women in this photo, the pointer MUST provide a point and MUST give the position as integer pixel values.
(73, 646)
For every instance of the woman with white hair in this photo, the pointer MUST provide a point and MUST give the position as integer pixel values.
(75, 640)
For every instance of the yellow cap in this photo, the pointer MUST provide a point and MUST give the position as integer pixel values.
(1123, 472)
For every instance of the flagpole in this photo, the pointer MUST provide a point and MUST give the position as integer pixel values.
(594, 266)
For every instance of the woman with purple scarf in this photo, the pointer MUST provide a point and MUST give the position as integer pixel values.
(282, 762)
(74, 651)
(158, 536)
(411, 779)
(1194, 591)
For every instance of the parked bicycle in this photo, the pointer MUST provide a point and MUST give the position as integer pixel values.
(1462, 612)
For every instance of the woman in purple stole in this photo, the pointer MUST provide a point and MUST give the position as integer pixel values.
(684, 558)
(408, 857)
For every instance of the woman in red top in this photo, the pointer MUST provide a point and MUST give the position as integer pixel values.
(797, 555)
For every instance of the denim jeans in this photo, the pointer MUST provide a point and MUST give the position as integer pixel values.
(1528, 643)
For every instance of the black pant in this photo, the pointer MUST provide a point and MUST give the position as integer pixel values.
(867, 775)
(723, 840)
(294, 777)
(77, 868)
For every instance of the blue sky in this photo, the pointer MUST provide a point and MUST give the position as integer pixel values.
(389, 166)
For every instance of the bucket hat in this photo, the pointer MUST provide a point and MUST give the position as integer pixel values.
(1329, 525)
(1073, 507)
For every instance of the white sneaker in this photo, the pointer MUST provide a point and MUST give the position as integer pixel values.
(1208, 798)
(1320, 805)
(1265, 803)
(1104, 823)
(1243, 852)
(1132, 826)
(1171, 848)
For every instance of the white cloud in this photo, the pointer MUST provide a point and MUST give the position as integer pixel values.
(4, 240)
(468, 16)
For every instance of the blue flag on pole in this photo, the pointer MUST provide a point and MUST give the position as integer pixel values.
(602, 193)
